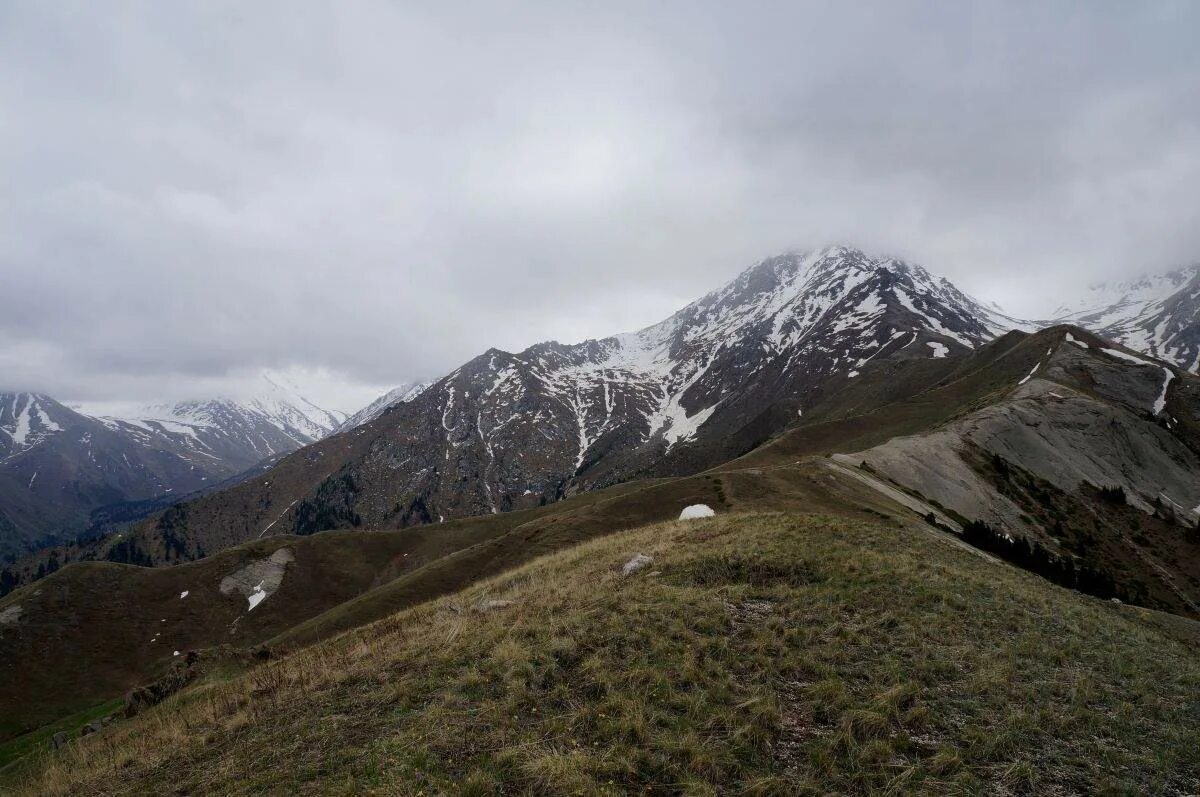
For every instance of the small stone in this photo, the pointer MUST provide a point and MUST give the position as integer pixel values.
(59, 740)
(635, 564)
(90, 728)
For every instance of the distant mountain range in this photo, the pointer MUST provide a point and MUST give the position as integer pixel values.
(63, 472)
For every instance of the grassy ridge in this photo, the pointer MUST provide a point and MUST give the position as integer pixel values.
(86, 630)
(772, 654)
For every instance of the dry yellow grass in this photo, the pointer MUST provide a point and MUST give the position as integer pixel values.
(768, 654)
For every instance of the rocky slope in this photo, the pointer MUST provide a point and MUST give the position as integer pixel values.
(1094, 454)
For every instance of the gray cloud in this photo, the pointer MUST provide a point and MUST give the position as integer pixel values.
(376, 192)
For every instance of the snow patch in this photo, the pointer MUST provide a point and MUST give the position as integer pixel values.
(1129, 358)
(940, 350)
(183, 594)
(259, 579)
(257, 596)
(1072, 339)
(1160, 403)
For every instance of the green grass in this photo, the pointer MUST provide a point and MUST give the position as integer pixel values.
(770, 654)
(14, 752)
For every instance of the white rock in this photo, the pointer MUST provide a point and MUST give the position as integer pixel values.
(490, 605)
(696, 511)
(635, 564)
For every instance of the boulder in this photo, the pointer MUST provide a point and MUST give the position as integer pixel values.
(696, 511)
(59, 740)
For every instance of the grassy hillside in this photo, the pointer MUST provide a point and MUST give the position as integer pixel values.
(770, 654)
(93, 630)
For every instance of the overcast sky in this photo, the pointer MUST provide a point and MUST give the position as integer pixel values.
(363, 193)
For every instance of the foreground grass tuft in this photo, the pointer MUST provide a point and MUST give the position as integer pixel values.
(771, 654)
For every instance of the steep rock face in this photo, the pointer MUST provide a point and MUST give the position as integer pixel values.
(509, 430)
(1158, 315)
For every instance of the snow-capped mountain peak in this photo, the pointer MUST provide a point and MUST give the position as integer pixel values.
(270, 415)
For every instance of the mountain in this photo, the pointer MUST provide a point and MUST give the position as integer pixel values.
(64, 473)
(27, 419)
(404, 393)
(59, 466)
(271, 419)
(839, 413)
(827, 556)
(506, 431)
(1157, 315)
(517, 430)
(779, 654)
